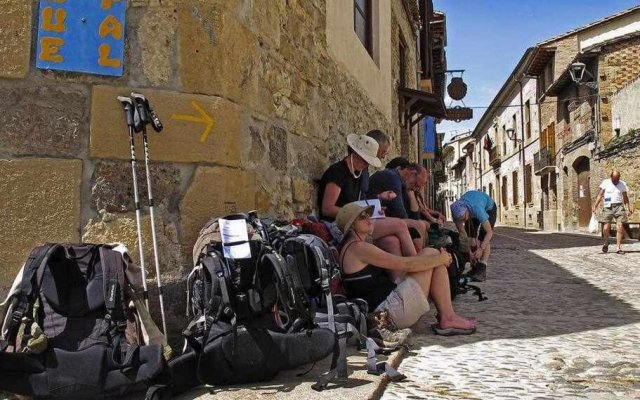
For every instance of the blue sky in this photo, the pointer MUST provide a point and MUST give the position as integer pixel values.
(486, 38)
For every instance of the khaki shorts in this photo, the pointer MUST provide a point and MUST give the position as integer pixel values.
(406, 303)
(614, 213)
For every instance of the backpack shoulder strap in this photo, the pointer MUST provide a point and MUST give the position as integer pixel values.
(113, 283)
(214, 265)
(31, 279)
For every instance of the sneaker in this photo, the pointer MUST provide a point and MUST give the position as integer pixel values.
(388, 338)
(478, 272)
(383, 331)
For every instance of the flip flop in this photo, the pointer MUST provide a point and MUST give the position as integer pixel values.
(451, 331)
(620, 252)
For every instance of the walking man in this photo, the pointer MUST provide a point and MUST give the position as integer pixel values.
(614, 193)
(475, 216)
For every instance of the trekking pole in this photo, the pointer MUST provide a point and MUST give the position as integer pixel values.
(147, 115)
(129, 111)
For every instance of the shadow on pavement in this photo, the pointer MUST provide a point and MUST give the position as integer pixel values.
(530, 296)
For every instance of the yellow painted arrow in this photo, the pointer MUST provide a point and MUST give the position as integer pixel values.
(204, 118)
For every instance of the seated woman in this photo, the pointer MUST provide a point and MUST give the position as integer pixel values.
(364, 269)
(342, 183)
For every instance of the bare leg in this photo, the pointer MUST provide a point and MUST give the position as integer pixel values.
(396, 227)
(435, 282)
(619, 234)
(441, 294)
(606, 231)
(485, 254)
(391, 244)
(422, 230)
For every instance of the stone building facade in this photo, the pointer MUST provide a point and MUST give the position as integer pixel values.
(454, 161)
(504, 165)
(576, 118)
(257, 98)
(573, 144)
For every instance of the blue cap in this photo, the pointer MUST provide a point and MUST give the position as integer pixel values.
(458, 208)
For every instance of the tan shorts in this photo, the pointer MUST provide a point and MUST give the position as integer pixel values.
(406, 303)
(614, 213)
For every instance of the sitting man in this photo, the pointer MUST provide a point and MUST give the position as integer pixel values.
(341, 184)
(475, 216)
(420, 277)
(401, 180)
(413, 199)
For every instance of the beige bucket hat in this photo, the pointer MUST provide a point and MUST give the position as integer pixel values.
(348, 214)
(366, 147)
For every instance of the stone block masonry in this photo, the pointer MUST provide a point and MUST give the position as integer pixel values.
(39, 202)
(254, 109)
(15, 38)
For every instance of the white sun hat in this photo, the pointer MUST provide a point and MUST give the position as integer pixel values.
(366, 147)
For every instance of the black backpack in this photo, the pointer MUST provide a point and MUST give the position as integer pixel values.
(73, 326)
(251, 317)
(316, 263)
(458, 281)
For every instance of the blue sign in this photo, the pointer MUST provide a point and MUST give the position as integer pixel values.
(429, 137)
(82, 36)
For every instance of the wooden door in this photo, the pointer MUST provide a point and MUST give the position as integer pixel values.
(584, 193)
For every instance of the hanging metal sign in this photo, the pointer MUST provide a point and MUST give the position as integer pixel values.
(82, 36)
(458, 114)
(457, 89)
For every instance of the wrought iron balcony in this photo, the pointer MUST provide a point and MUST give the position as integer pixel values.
(495, 157)
(543, 159)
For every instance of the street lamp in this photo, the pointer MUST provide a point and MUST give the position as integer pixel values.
(577, 71)
(511, 134)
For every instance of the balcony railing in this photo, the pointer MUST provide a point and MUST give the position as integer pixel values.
(543, 159)
(495, 157)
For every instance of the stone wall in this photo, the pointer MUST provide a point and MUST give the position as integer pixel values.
(624, 105)
(402, 30)
(619, 67)
(273, 107)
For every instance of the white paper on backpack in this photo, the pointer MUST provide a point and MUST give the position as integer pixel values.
(235, 231)
(377, 210)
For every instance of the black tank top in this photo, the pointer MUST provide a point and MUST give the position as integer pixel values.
(370, 283)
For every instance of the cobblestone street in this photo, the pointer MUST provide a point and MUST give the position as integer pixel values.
(562, 321)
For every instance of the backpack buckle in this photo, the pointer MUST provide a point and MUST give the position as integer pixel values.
(16, 316)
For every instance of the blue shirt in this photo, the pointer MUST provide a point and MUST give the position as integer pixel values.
(478, 204)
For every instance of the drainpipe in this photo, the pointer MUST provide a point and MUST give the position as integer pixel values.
(481, 151)
(524, 194)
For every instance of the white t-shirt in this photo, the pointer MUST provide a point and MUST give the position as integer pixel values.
(613, 193)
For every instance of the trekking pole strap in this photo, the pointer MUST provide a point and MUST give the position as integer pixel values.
(377, 368)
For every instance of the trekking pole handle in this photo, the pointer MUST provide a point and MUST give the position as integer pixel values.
(147, 113)
(128, 109)
(141, 104)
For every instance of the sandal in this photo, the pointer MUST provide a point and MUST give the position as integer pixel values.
(620, 251)
(451, 331)
(605, 248)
